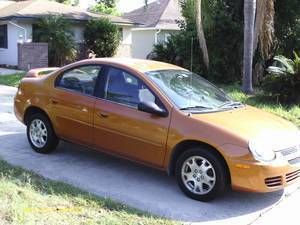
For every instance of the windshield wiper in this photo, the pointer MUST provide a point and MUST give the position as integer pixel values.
(231, 104)
(195, 107)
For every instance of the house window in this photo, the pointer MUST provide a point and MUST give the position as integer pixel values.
(3, 36)
(167, 37)
(121, 33)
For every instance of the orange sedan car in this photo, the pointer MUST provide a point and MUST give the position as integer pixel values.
(163, 116)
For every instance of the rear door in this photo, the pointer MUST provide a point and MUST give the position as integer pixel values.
(121, 128)
(72, 103)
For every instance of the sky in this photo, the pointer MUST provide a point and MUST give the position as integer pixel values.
(122, 5)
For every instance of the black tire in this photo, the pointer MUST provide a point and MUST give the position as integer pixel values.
(219, 173)
(51, 140)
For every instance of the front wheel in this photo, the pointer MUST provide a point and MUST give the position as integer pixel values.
(200, 174)
(40, 134)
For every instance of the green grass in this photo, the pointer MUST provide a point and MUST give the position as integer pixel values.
(11, 80)
(291, 113)
(27, 198)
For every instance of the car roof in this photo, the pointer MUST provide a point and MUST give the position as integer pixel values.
(140, 65)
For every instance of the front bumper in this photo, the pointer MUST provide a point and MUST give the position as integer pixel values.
(261, 177)
(18, 109)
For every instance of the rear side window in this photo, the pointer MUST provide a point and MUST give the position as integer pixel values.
(81, 79)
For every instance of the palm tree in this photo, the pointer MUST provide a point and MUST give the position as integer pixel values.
(55, 30)
(249, 28)
(264, 27)
(200, 32)
(258, 31)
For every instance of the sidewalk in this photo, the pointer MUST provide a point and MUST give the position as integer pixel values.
(6, 103)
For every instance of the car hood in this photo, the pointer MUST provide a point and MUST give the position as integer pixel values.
(249, 123)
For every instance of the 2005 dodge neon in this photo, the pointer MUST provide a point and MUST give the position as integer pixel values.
(163, 116)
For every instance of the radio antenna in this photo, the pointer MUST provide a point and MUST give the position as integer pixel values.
(191, 78)
(192, 53)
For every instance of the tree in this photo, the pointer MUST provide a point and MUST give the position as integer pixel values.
(249, 28)
(287, 27)
(258, 31)
(68, 2)
(108, 3)
(264, 27)
(106, 7)
(200, 32)
(102, 37)
(222, 24)
(55, 31)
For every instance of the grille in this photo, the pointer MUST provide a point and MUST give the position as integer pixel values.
(292, 176)
(273, 181)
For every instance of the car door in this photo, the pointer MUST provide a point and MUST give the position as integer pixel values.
(121, 128)
(72, 103)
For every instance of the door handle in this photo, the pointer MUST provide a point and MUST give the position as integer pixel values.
(102, 114)
(54, 102)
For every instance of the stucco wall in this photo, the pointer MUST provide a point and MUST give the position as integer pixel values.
(125, 49)
(142, 43)
(144, 40)
(15, 34)
(127, 36)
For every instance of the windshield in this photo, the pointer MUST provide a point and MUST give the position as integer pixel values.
(190, 91)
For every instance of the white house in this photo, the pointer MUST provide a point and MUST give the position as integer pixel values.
(159, 20)
(17, 19)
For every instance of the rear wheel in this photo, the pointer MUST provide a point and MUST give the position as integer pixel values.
(40, 134)
(201, 174)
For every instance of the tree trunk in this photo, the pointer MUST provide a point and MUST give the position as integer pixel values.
(200, 32)
(249, 22)
(259, 19)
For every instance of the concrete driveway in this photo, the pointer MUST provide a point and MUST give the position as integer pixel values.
(136, 185)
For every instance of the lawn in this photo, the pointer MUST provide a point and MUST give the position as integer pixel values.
(11, 80)
(291, 113)
(27, 198)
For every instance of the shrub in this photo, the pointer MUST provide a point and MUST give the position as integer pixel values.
(55, 30)
(102, 37)
(286, 87)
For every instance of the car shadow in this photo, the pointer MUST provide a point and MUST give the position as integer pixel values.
(138, 186)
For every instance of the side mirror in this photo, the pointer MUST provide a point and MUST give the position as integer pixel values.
(152, 108)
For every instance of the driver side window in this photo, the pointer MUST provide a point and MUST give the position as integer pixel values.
(81, 79)
(126, 89)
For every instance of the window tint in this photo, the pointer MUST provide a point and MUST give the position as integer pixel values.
(82, 79)
(127, 89)
(3, 36)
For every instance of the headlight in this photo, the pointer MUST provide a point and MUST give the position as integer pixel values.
(261, 150)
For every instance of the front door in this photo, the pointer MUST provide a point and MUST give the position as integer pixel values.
(72, 104)
(121, 128)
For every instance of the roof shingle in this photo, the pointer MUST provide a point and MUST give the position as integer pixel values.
(39, 8)
(161, 14)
